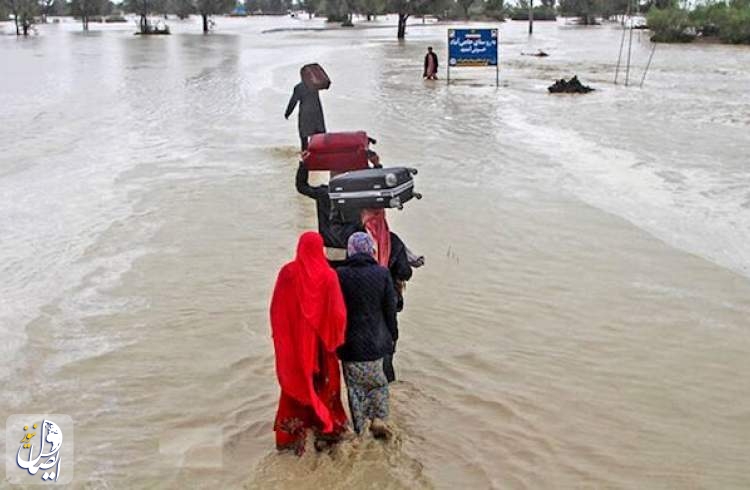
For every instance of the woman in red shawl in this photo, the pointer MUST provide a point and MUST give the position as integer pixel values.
(308, 320)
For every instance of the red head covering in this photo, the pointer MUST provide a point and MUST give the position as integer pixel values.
(377, 227)
(307, 309)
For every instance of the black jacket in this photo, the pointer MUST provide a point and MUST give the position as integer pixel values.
(310, 110)
(336, 227)
(398, 262)
(399, 267)
(371, 328)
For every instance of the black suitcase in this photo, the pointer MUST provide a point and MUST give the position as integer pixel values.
(373, 188)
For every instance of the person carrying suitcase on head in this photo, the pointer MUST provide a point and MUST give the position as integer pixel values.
(335, 227)
(310, 115)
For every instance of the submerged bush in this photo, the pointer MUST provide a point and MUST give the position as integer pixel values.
(670, 25)
(735, 27)
(708, 18)
(728, 22)
(540, 13)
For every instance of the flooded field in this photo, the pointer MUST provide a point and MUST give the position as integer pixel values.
(582, 320)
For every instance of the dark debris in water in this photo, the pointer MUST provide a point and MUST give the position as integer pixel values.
(572, 86)
(538, 54)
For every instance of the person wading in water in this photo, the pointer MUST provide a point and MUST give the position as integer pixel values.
(308, 322)
(336, 227)
(371, 333)
(310, 116)
(430, 65)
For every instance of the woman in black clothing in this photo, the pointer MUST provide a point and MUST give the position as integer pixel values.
(371, 333)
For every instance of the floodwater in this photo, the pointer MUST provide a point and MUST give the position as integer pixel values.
(583, 320)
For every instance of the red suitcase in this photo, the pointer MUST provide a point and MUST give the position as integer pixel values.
(315, 77)
(339, 152)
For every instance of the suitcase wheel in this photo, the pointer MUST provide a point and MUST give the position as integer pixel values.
(413, 171)
(418, 195)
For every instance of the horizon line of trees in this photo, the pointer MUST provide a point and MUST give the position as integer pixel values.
(24, 12)
(587, 11)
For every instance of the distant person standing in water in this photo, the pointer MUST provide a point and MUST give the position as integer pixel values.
(430, 65)
(310, 117)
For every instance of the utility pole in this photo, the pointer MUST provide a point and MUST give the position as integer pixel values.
(622, 40)
(531, 17)
(630, 48)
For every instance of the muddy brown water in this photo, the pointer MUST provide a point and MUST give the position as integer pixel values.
(582, 320)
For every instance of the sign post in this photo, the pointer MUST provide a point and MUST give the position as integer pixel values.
(531, 17)
(472, 48)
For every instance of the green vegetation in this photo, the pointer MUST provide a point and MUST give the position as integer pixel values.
(495, 9)
(728, 22)
(541, 12)
(85, 9)
(181, 8)
(342, 10)
(207, 8)
(670, 25)
(273, 7)
(23, 12)
(144, 8)
(586, 10)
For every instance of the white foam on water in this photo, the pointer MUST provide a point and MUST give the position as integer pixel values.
(50, 229)
(694, 209)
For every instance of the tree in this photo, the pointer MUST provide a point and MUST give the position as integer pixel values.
(586, 10)
(85, 9)
(23, 13)
(610, 8)
(46, 7)
(60, 8)
(495, 9)
(465, 6)
(370, 8)
(271, 6)
(660, 4)
(108, 7)
(144, 8)
(181, 8)
(336, 10)
(405, 9)
(206, 8)
(309, 6)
